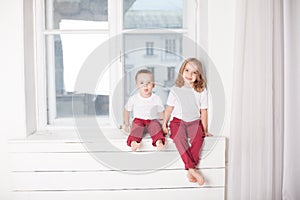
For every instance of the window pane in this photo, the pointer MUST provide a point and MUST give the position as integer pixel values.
(65, 56)
(85, 10)
(152, 14)
(162, 62)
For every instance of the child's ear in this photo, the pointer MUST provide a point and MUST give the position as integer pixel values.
(153, 85)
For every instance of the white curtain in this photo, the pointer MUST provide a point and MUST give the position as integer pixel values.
(291, 175)
(256, 138)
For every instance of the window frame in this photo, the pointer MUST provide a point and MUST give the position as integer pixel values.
(115, 20)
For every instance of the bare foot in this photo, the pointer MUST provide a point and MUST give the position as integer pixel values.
(134, 145)
(195, 173)
(191, 178)
(159, 145)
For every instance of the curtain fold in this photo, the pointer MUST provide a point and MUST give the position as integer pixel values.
(291, 172)
(256, 138)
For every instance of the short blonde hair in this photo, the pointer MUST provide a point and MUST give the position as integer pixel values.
(143, 71)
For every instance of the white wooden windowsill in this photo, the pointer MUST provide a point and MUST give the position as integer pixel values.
(57, 165)
(115, 136)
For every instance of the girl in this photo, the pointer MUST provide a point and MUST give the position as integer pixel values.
(187, 108)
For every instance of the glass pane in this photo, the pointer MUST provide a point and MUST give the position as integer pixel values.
(153, 14)
(58, 11)
(163, 60)
(66, 54)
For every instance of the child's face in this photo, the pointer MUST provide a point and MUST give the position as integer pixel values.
(190, 73)
(144, 83)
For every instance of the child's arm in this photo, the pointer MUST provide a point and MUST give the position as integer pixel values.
(168, 112)
(126, 120)
(161, 117)
(204, 119)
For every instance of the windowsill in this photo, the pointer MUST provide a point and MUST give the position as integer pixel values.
(62, 141)
(70, 122)
(72, 135)
(65, 139)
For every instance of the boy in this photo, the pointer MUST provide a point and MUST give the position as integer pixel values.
(147, 110)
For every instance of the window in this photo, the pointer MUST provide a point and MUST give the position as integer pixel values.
(152, 37)
(171, 49)
(149, 48)
(171, 76)
(170, 45)
(70, 31)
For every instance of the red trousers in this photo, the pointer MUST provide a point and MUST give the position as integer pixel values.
(138, 128)
(189, 150)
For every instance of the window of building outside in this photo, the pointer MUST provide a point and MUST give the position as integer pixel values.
(149, 48)
(74, 28)
(170, 45)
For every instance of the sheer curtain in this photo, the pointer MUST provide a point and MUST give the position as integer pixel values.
(256, 139)
(291, 174)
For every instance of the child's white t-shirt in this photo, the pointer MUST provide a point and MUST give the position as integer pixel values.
(145, 108)
(187, 103)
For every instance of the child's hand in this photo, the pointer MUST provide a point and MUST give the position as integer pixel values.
(127, 128)
(207, 134)
(165, 129)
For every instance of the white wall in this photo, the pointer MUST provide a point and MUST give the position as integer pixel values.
(221, 21)
(12, 69)
(12, 106)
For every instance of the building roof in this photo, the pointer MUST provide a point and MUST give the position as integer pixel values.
(153, 19)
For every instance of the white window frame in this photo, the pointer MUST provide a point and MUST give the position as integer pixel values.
(115, 13)
(40, 64)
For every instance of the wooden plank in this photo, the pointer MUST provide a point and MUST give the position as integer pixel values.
(92, 161)
(71, 135)
(174, 194)
(65, 145)
(112, 180)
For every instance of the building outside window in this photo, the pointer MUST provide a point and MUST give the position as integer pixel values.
(72, 30)
(149, 48)
(170, 45)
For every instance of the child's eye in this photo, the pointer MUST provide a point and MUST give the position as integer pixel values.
(149, 82)
(195, 72)
(186, 70)
(141, 83)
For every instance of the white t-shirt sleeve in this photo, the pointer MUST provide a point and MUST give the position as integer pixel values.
(171, 98)
(129, 104)
(204, 99)
(160, 105)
